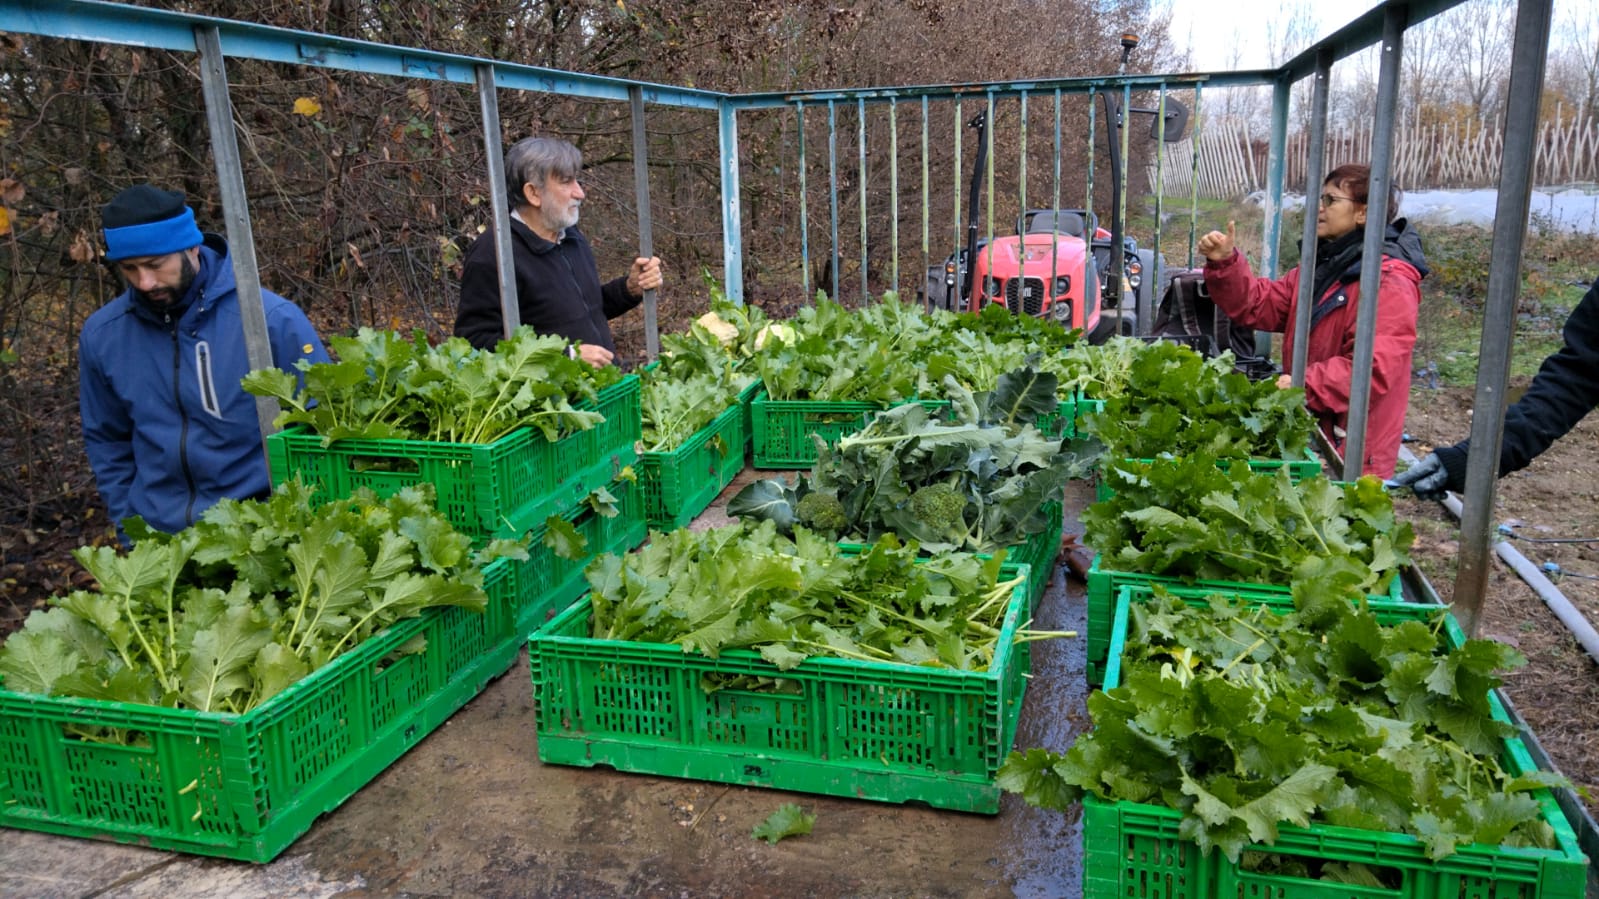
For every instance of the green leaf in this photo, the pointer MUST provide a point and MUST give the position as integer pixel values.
(35, 662)
(788, 821)
(770, 499)
(563, 538)
(219, 655)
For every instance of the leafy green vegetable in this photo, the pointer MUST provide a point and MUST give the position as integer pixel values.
(1188, 518)
(869, 355)
(788, 821)
(1243, 719)
(676, 405)
(225, 614)
(387, 387)
(745, 586)
(978, 483)
(1178, 403)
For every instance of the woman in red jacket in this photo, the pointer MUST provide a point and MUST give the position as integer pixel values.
(1269, 305)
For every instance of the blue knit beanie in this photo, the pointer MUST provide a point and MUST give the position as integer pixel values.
(145, 220)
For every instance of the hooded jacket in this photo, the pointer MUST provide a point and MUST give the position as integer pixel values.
(167, 427)
(1269, 305)
(558, 290)
(1565, 390)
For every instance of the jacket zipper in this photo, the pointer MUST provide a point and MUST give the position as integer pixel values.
(183, 416)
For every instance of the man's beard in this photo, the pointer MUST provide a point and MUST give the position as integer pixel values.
(559, 222)
(163, 297)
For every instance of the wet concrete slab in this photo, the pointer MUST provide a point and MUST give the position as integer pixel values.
(471, 811)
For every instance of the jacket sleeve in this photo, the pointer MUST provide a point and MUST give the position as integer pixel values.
(107, 434)
(1259, 303)
(293, 339)
(615, 298)
(478, 317)
(1328, 382)
(1565, 389)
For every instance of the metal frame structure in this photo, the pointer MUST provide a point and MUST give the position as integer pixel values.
(217, 40)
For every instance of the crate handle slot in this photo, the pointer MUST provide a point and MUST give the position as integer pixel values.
(398, 465)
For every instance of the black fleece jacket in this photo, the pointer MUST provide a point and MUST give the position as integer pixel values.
(1565, 389)
(558, 290)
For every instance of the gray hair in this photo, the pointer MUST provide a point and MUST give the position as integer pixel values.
(533, 159)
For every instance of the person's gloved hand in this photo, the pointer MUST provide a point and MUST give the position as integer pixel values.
(1427, 477)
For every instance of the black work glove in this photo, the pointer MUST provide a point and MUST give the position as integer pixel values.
(1428, 478)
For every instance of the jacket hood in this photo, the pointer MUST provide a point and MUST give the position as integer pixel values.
(1402, 242)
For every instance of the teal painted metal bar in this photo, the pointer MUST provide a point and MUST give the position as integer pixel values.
(1088, 192)
(1021, 162)
(988, 177)
(124, 25)
(860, 188)
(1276, 143)
(1193, 181)
(804, 212)
(732, 212)
(960, 129)
(1315, 162)
(893, 193)
(1054, 232)
(1154, 279)
(834, 257)
(927, 219)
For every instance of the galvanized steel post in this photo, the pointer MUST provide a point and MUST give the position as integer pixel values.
(1315, 161)
(1528, 58)
(1382, 152)
(499, 199)
(236, 213)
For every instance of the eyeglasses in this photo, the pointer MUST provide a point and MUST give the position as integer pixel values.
(1329, 199)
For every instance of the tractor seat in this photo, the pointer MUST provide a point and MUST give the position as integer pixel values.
(1047, 222)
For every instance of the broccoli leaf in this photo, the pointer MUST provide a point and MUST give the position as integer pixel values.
(788, 821)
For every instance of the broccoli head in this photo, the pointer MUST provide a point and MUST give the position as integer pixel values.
(940, 507)
(821, 511)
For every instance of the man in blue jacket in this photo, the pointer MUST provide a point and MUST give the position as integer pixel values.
(167, 427)
(558, 289)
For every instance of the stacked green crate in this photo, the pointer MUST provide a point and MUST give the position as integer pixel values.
(679, 485)
(1133, 849)
(497, 489)
(784, 430)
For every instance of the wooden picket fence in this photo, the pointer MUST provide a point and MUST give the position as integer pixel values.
(1232, 159)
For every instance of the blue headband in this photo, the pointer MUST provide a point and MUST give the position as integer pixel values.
(153, 238)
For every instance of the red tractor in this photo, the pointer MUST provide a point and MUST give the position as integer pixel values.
(1059, 262)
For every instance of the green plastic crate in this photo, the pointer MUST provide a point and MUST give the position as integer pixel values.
(746, 400)
(246, 786)
(1062, 423)
(782, 429)
(886, 732)
(1104, 584)
(486, 490)
(551, 583)
(678, 485)
(1134, 850)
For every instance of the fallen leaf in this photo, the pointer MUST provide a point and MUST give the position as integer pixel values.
(11, 191)
(82, 250)
(5, 220)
